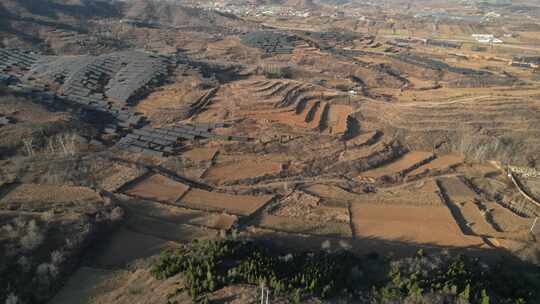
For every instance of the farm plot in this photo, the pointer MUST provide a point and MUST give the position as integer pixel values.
(310, 117)
(414, 224)
(401, 166)
(332, 193)
(222, 173)
(361, 152)
(167, 230)
(302, 226)
(363, 139)
(34, 197)
(456, 190)
(159, 188)
(216, 201)
(505, 220)
(305, 206)
(179, 215)
(419, 193)
(337, 118)
(291, 118)
(200, 154)
(120, 175)
(476, 219)
(440, 164)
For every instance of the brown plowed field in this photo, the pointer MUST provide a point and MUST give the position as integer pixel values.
(159, 188)
(337, 118)
(234, 204)
(200, 154)
(34, 196)
(179, 215)
(361, 139)
(420, 193)
(330, 192)
(407, 161)
(505, 219)
(361, 152)
(305, 206)
(456, 190)
(168, 230)
(221, 173)
(120, 176)
(419, 225)
(440, 164)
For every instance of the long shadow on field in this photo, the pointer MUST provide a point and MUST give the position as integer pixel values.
(456, 212)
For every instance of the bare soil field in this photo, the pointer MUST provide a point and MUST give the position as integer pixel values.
(440, 164)
(421, 225)
(361, 152)
(40, 197)
(121, 175)
(362, 139)
(305, 206)
(200, 154)
(504, 220)
(365, 136)
(175, 214)
(171, 231)
(158, 187)
(409, 161)
(418, 193)
(332, 193)
(222, 173)
(233, 204)
(457, 191)
(304, 226)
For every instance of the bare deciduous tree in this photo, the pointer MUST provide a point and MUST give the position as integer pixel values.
(28, 146)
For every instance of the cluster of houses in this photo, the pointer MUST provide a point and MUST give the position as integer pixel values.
(486, 38)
